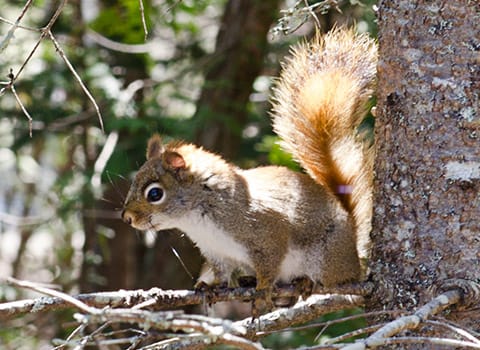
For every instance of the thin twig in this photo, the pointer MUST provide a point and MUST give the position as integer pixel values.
(352, 334)
(77, 77)
(144, 23)
(432, 341)
(455, 329)
(313, 15)
(44, 33)
(53, 293)
(408, 322)
(103, 158)
(116, 46)
(24, 110)
(329, 323)
(433, 307)
(77, 330)
(11, 31)
(31, 29)
(302, 312)
(13, 77)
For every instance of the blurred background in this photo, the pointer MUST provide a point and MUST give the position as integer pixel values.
(202, 73)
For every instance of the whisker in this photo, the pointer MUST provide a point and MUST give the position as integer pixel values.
(110, 201)
(114, 186)
(182, 263)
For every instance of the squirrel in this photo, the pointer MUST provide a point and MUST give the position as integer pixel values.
(270, 221)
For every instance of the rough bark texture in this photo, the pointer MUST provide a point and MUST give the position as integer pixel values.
(427, 211)
(238, 59)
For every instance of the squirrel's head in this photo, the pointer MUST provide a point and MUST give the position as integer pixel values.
(158, 196)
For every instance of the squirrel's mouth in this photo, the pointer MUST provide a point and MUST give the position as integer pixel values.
(136, 221)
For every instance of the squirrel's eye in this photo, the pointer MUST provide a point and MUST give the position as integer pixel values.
(154, 193)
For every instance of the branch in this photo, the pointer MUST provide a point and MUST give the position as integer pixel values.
(426, 340)
(212, 330)
(161, 299)
(22, 107)
(11, 32)
(198, 341)
(209, 330)
(77, 77)
(51, 292)
(304, 311)
(460, 292)
(44, 32)
(433, 307)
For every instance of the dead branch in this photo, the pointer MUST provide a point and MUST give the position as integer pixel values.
(427, 340)
(77, 77)
(433, 307)
(44, 32)
(455, 292)
(144, 22)
(158, 299)
(303, 311)
(211, 330)
(22, 107)
(6, 39)
(53, 293)
(206, 330)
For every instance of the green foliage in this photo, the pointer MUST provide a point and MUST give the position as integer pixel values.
(127, 13)
(316, 335)
(271, 145)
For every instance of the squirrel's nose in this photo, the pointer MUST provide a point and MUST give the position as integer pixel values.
(127, 217)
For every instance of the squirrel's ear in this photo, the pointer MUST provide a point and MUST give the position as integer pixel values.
(174, 160)
(155, 147)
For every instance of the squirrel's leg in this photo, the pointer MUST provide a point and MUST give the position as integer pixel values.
(221, 276)
(266, 274)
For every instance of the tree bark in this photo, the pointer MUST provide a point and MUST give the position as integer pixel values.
(427, 202)
(238, 58)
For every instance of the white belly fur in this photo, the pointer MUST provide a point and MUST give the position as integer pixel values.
(212, 240)
(292, 266)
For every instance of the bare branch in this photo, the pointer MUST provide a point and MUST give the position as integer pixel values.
(144, 23)
(433, 307)
(51, 292)
(212, 330)
(4, 20)
(409, 322)
(116, 46)
(22, 107)
(329, 323)
(14, 220)
(44, 32)
(427, 340)
(455, 329)
(304, 311)
(13, 77)
(354, 333)
(77, 77)
(162, 299)
(199, 341)
(6, 40)
(103, 158)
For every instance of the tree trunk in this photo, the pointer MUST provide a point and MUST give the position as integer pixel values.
(427, 202)
(238, 59)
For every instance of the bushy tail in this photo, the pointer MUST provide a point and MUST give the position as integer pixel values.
(318, 104)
